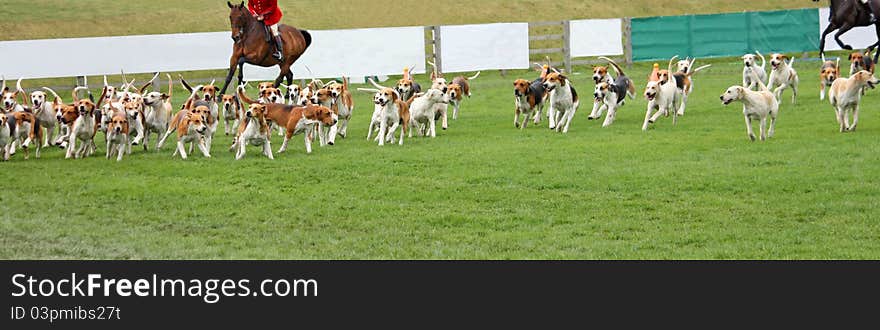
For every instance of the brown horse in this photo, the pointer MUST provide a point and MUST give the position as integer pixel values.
(845, 15)
(252, 45)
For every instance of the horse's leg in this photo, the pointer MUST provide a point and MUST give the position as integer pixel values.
(877, 32)
(240, 71)
(233, 64)
(843, 29)
(831, 27)
(285, 71)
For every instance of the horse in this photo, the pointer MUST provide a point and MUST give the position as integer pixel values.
(845, 15)
(252, 45)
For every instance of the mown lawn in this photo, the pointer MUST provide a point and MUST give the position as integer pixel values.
(481, 190)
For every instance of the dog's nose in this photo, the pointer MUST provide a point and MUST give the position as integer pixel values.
(721, 97)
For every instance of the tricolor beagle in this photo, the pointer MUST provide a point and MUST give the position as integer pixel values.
(118, 139)
(254, 131)
(529, 98)
(830, 71)
(460, 87)
(295, 119)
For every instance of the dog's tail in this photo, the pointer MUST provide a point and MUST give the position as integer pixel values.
(192, 97)
(791, 62)
(475, 76)
(692, 72)
(671, 63)
(307, 36)
(613, 64)
(763, 61)
(184, 83)
(57, 98)
(244, 97)
(170, 85)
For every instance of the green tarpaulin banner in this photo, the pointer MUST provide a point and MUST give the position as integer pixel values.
(721, 35)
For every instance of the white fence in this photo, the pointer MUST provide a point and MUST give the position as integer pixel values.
(334, 53)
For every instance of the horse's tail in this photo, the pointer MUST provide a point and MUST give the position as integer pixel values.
(307, 36)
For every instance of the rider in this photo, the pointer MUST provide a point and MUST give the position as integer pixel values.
(267, 11)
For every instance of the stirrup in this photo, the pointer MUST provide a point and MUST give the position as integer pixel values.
(278, 55)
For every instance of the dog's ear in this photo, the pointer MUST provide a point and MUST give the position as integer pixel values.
(164, 96)
(562, 79)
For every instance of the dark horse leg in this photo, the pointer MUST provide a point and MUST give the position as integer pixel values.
(831, 27)
(235, 64)
(843, 29)
(285, 74)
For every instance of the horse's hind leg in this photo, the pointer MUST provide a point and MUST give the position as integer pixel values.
(843, 29)
(285, 74)
(831, 27)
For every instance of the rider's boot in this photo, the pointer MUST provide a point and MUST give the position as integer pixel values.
(279, 49)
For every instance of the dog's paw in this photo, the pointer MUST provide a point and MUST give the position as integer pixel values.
(752, 137)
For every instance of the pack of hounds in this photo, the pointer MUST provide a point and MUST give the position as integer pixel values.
(129, 116)
(667, 92)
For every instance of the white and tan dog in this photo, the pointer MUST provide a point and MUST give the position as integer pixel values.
(783, 76)
(438, 82)
(192, 126)
(756, 106)
(846, 97)
(83, 127)
(750, 65)
(231, 113)
(209, 95)
(254, 131)
(157, 113)
(63, 130)
(563, 100)
(10, 102)
(392, 113)
(5, 136)
(292, 97)
(421, 109)
(344, 104)
(662, 95)
(24, 130)
(45, 113)
(118, 139)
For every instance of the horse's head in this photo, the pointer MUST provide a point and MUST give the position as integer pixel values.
(239, 18)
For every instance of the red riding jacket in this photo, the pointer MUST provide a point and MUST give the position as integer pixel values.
(268, 8)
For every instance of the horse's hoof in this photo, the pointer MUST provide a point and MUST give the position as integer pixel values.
(847, 47)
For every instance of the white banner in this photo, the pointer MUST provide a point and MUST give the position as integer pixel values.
(596, 37)
(859, 38)
(51, 58)
(485, 46)
(334, 53)
(355, 53)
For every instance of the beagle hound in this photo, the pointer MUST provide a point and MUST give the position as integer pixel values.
(528, 99)
(783, 75)
(829, 72)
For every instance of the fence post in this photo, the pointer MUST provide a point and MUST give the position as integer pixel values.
(566, 45)
(80, 81)
(628, 46)
(435, 35)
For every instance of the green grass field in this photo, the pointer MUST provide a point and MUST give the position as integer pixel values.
(481, 190)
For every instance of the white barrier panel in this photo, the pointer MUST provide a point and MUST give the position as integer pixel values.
(51, 58)
(334, 53)
(596, 37)
(859, 38)
(485, 46)
(355, 53)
